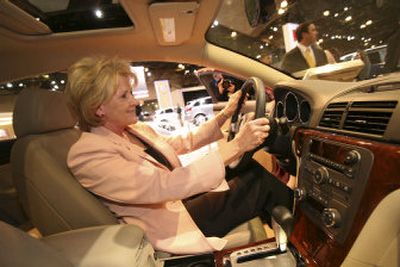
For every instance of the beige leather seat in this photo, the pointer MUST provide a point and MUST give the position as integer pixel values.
(99, 246)
(50, 195)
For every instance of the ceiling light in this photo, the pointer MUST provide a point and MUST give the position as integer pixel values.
(215, 23)
(148, 74)
(362, 26)
(346, 8)
(321, 40)
(168, 29)
(9, 85)
(146, 69)
(271, 37)
(187, 72)
(258, 56)
(348, 18)
(336, 14)
(38, 19)
(284, 4)
(233, 34)
(326, 13)
(62, 81)
(261, 46)
(53, 82)
(275, 29)
(20, 84)
(98, 13)
(369, 22)
(281, 11)
(181, 66)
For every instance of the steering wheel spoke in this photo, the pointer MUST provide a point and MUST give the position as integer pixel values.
(257, 86)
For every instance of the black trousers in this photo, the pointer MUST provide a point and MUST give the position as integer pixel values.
(253, 192)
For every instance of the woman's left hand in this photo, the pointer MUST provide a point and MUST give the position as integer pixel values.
(232, 104)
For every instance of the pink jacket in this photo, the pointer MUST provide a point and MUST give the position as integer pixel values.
(141, 191)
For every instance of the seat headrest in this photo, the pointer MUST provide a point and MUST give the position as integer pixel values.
(39, 111)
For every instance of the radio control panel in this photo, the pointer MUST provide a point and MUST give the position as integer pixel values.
(332, 178)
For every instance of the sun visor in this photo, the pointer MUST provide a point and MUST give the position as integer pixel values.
(173, 22)
(16, 20)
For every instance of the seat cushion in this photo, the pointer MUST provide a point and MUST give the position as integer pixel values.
(20, 249)
(248, 232)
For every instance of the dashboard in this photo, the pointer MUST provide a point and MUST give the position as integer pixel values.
(347, 148)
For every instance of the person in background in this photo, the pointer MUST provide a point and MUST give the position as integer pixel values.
(223, 88)
(266, 59)
(137, 174)
(306, 54)
(179, 111)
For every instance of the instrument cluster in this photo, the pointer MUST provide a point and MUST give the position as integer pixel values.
(293, 107)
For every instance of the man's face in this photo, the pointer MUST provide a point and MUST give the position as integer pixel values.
(310, 37)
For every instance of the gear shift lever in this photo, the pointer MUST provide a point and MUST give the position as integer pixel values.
(282, 223)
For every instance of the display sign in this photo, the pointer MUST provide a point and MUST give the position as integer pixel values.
(141, 90)
(163, 92)
(289, 35)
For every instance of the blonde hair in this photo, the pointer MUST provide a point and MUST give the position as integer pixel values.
(92, 81)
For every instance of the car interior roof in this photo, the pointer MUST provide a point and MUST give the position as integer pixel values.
(56, 51)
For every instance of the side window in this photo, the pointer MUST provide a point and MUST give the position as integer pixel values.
(208, 101)
(196, 104)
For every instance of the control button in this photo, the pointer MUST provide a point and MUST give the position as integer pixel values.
(331, 217)
(321, 175)
(352, 157)
(300, 193)
(349, 172)
(346, 188)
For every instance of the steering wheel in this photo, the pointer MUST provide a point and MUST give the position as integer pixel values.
(261, 98)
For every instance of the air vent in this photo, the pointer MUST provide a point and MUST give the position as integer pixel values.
(337, 105)
(333, 115)
(369, 117)
(374, 104)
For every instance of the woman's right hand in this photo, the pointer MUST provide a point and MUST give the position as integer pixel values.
(252, 134)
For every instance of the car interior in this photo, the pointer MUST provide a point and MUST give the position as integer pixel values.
(334, 136)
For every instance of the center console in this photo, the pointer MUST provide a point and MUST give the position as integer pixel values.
(268, 253)
(332, 178)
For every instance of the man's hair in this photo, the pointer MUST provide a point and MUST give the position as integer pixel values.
(302, 28)
(92, 81)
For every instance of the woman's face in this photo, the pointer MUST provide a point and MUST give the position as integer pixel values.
(120, 110)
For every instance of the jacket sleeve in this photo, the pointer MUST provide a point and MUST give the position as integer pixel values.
(205, 134)
(102, 168)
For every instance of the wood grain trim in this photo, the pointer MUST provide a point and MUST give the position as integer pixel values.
(318, 248)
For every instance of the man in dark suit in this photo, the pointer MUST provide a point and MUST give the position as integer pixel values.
(306, 54)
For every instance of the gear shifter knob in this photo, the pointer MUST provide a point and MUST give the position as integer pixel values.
(282, 223)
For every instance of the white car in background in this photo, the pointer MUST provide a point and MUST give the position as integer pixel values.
(199, 110)
(167, 119)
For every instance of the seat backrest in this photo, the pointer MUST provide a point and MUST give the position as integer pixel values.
(50, 195)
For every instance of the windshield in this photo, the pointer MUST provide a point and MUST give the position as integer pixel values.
(313, 39)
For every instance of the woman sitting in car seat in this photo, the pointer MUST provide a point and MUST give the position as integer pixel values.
(137, 174)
